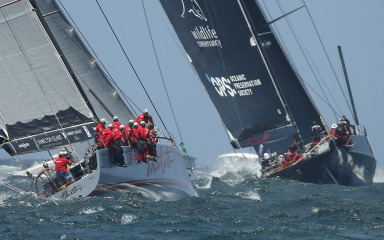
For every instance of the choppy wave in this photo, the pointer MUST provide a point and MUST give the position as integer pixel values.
(233, 203)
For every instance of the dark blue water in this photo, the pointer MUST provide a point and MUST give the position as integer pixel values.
(231, 205)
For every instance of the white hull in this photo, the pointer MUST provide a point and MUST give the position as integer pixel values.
(167, 178)
(81, 188)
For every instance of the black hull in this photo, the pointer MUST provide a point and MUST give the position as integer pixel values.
(355, 167)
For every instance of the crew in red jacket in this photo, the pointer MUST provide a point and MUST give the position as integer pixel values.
(116, 124)
(141, 146)
(134, 137)
(99, 131)
(153, 135)
(61, 166)
(145, 116)
(152, 140)
(117, 135)
(107, 136)
(127, 132)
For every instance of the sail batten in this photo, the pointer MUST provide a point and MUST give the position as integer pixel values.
(92, 79)
(35, 81)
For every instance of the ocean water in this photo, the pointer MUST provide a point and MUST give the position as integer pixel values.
(233, 203)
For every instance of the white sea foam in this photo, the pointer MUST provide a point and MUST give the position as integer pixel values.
(6, 170)
(252, 195)
(126, 219)
(379, 176)
(91, 210)
(202, 180)
(234, 163)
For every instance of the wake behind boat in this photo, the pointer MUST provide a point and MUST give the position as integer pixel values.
(54, 92)
(259, 94)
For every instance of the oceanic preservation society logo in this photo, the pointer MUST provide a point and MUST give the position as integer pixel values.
(233, 85)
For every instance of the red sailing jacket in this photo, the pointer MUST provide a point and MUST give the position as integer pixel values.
(135, 134)
(126, 133)
(107, 136)
(62, 163)
(117, 134)
(116, 125)
(143, 132)
(99, 131)
(141, 118)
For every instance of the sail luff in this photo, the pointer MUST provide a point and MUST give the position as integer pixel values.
(257, 42)
(108, 102)
(64, 60)
(289, 81)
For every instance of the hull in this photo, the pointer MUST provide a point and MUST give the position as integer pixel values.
(168, 178)
(333, 165)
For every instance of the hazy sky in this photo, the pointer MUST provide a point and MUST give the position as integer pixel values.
(354, 24)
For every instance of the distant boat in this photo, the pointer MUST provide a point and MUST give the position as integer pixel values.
(52, 96)
(260, 98)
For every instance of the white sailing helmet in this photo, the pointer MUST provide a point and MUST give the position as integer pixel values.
(131, 121)
(142, 123)
(121, 127)
(115, 118)
(103, 120)
(135, 124)
(146, 110)
(334, 125)
(110, 126)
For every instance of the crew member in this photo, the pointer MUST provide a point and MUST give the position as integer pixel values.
(347, 124)
(134, 137)
(116, 124)
(343, 140)
(145, 116)
(141, 144)
(62, 163)
(99, 131)
(107, 136)
(117, 135)
(151, 144)
(316, 131)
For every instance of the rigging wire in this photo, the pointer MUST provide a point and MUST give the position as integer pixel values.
(11, 187)
(160, 71)
(108, 75)
(305, 56)
(294, 64)
(129, 61)
(329, 61)
(33, 70)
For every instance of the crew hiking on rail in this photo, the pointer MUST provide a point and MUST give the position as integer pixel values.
(140, 134)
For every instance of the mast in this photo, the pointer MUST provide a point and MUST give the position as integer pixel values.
(348, 86)
(68, 67)
(266, 62)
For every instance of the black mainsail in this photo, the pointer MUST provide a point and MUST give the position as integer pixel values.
(231, 64)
